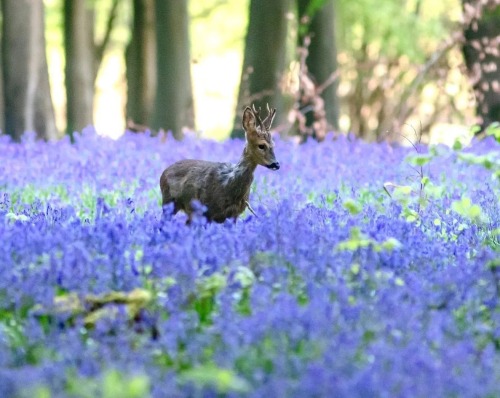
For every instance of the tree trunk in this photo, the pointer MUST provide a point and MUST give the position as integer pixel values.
(2, 97)
(264, 58)
(141, 65)
(80, 64)
(481, 53)
(28, 104)
(321, 61)
(174, 106)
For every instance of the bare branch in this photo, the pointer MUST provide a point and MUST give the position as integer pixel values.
(102, 47)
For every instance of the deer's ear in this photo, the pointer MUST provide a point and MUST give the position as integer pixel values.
(249, 121)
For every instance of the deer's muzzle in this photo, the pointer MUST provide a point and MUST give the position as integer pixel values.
(273, 166)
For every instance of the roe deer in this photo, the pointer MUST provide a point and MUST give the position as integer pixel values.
(223, 188)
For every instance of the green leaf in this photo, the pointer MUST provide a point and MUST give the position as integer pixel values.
(211, 284)
(399, 282)
(391, 244)
(352, 207)
(493, 130)
(357, 240)
(467, 209)
(223, 380)
(116, 385)
(410, 215)
(475, 129)
(244, 276)
(355, 269)
(457, 145)
(420, 159)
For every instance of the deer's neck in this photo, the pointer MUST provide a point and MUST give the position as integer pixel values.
(241, 176)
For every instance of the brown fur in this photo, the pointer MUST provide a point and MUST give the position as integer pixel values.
(223, 188)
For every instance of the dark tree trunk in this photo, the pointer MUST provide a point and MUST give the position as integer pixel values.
(482, 57)
(141, 65)
(28, 104)
(80, 64)
(174, 106)
(319, 25)
(264, 58)
(83, 59)
(2, 99)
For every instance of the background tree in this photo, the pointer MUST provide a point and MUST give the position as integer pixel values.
(264, 58)
(318, 100)
(141, 65)
(400, 67)
(482, 56)
(2, 99)
(28, 104)
(83, 59)
(174, 105)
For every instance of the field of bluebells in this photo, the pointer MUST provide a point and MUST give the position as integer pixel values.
(369, 270)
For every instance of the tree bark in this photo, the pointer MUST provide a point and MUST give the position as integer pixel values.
(482, 57)
(318, 25)
(2, 97)
(174, 106)
(141, 65)
(80, 64)
(264, 58)
(28, 104)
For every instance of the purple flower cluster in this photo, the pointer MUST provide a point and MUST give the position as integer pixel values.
(311, 298)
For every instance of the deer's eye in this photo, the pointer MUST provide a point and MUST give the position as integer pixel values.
(262, 146)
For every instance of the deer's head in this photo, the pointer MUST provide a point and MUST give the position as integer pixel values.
(260, 145)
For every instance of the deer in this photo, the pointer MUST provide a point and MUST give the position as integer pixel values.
(223, 188)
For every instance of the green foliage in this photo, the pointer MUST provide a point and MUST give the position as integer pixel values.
(314, 6)
(414, 197)
(490, 161)
(222, 380)
(391, 28)
(352, 206)
(112, 384)
(467, 209)
(204, 300)
(420, 159)
(357, 240)
(493, 129)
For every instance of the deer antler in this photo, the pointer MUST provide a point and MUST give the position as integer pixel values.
(257, 116)
(270, 116)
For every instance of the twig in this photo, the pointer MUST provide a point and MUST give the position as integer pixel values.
(101, 48)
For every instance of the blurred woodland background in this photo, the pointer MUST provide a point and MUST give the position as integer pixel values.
(370, 67)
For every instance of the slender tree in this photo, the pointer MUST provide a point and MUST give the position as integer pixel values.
(482, 56)
(83, 59)
(2, 99)
(79, 49)
(28, 104)
(174, 106)
(317, 27)
(141, 65)
(264, 58)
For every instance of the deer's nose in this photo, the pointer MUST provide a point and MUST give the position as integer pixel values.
(273, 166)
